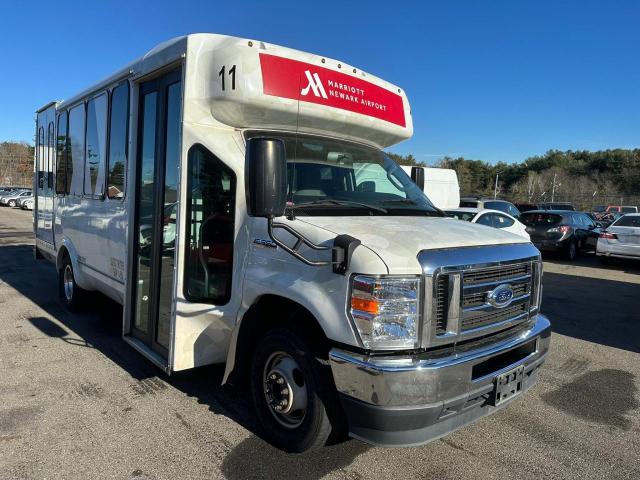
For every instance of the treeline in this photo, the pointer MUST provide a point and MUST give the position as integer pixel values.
(582, 177)
(16, 164)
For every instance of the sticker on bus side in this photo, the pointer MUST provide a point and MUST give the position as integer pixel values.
(283, 77)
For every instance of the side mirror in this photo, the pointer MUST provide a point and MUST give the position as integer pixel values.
(417, 175)
(266, 177)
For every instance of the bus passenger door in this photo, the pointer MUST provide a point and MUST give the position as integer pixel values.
(155, 206)
(44, 187)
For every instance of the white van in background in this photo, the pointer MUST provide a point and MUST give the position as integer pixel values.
(439, 184)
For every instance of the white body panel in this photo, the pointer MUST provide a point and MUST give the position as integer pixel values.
(627, 243)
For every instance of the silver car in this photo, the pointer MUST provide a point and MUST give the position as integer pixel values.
(621, 238)
(12, 200)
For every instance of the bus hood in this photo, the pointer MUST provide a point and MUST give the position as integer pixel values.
(398, 240)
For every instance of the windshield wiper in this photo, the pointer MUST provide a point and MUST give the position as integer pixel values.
(345, 203)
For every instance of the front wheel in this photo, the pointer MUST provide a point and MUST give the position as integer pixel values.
(12, 203)
(293, 393)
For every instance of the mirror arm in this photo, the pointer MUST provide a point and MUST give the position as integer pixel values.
(301, 239)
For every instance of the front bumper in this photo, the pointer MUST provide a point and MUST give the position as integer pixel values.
(410, 400)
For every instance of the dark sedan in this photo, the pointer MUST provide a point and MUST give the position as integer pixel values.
(561, 231)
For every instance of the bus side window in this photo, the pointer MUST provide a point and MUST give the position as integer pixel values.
(211, 190)
(61, 155)
(96, 146)
(118, 133)
(41, 160)
(75, 154)
(50, 151)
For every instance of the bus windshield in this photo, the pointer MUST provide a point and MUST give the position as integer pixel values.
(336, 177)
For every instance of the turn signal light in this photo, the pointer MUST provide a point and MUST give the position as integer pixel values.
(365, 305)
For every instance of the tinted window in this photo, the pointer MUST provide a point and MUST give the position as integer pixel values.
(486, 219)
(75, 158)
(505, 207)
(118, 141)
(502, 221)
(61, 155)
(600, 208)
(468, 203)
(533, 219)
(96, 146)
(211, 189)
(628, 221)
(41, 159)
(629, 209)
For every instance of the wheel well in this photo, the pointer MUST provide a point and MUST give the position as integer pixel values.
(273, 311)
(62, 253)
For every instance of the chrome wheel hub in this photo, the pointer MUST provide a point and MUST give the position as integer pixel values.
(285, 389)
(67, 280)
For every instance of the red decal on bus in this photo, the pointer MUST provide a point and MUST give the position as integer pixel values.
(283, 77)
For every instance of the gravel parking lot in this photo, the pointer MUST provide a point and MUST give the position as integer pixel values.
(77, 402)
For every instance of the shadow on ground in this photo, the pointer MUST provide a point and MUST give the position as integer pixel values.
(100, 327)
(593, 309)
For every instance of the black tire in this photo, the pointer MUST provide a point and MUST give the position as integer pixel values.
(572, 250)
(292, 431)
(71, 296)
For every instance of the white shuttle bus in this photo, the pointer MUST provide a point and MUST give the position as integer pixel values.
(218, 188)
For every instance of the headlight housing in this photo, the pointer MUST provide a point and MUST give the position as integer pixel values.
(386, 310)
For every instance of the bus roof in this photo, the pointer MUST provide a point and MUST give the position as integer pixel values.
(248, 84)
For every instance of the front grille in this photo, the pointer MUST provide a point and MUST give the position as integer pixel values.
(496, 274)
(495, 316)
(442, 302)
(480, 298)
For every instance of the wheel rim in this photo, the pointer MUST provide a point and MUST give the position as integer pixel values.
(285, 389)
(67, 280)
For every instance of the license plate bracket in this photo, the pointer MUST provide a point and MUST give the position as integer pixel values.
(508, 385)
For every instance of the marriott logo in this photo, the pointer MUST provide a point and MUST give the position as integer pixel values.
(315, 85)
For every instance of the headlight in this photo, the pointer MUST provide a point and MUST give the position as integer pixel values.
(386, 311)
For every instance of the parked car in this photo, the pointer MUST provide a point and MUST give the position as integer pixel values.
(21, 200)
(490, 218)
(557, 206)
(525, 207)
(621, 239)
(601, 211)
(561, 231)
(490, 204)
(28, 204)
(11, 199)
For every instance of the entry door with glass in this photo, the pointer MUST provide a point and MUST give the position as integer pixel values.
(156, 208)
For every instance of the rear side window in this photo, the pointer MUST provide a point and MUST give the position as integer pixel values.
(502, 221)
(627, 221)
(61, 155)
(486, 219)
(211, 187)
(75, 153)
(118, 140)
(469, 204)
(533, 219)
(96, 145)
(629, 209)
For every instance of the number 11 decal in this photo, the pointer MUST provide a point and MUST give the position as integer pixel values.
(232, 74)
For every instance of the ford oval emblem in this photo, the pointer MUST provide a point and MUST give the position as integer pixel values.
(501, 296)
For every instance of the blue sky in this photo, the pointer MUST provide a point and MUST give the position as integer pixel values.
(490, 80)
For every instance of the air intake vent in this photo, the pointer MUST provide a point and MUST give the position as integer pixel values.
(442, 303)
(497, 274)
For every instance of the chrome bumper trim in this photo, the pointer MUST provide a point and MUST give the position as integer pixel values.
(419, 381)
